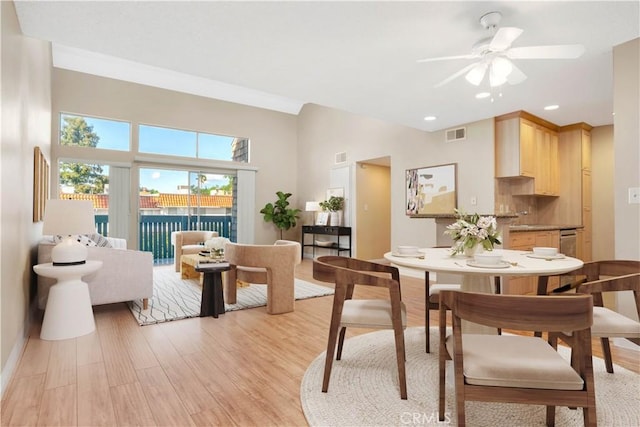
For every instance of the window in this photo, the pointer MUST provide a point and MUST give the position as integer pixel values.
(84, 131)
(175, 142)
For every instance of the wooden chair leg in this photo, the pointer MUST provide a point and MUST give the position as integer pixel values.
(400, 358)
(551, 416)
(145, 303)
(606, 351)
(340, 343)
(427, 323)
(442, 366)
(328, 363)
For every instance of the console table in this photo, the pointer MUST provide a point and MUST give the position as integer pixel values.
(342, 233)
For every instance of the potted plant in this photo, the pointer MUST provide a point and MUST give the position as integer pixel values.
(335, 205)
(280, 214)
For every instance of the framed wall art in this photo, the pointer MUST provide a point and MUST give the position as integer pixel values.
(431, 190)
(40, 184)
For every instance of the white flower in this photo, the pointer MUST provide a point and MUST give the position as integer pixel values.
(216, 243)
(471, 230)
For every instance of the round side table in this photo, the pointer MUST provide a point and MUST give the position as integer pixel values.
(68, 313)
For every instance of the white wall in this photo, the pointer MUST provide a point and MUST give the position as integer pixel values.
(626, 125)
(626, 134)
(25, 123)
(324, 131)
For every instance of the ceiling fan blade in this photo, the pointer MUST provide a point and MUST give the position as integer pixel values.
(516, 75)
(445, 58)
(503, 38)
(561, 51)
(456, 75)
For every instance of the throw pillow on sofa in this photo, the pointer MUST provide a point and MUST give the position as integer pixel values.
(87, 240)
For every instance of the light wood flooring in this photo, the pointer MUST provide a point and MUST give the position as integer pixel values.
(244, 368)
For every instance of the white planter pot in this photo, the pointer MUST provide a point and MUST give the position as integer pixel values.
(336, 218)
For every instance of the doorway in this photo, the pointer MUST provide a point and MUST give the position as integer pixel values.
(373, 208)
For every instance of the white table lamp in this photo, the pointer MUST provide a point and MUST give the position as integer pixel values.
(68, 218)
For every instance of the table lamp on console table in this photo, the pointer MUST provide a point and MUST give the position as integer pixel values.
(68, 312)
(67, 218)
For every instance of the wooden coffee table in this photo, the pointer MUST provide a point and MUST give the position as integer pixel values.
(188, 264)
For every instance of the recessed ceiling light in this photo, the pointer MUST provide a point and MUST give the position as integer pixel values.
(483, 95)
(551, 107)
(430, 118)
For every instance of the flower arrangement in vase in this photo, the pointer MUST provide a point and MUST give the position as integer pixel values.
(216, 247)
(471, 232)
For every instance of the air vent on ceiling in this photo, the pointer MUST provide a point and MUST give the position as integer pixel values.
(341, 157)
(456, 134)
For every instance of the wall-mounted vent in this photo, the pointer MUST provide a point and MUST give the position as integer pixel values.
(457, 134)
(341, 157)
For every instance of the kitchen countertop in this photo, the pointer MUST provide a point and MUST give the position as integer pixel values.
(542, 227)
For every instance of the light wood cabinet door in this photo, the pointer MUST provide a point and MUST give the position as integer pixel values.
(586, 149)
(527, 148)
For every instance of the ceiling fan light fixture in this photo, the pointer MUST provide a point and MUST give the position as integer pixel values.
(476, 75)
(499, 71)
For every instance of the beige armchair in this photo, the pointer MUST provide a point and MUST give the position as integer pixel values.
(273, 265)
(188, 242)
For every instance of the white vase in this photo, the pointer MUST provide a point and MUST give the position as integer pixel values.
(336, 218)
(473, 250)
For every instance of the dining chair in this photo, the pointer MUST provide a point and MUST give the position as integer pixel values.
(381, 313)
(517, 368)
(432, 298)
(601, 277)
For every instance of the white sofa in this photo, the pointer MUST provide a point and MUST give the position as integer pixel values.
(125, 275)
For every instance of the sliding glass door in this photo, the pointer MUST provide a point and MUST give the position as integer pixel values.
(173, 200)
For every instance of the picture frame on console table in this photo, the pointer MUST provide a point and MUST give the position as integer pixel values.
(322, 218)
(431, 190)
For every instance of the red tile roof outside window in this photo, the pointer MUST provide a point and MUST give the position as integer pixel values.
(162, 200)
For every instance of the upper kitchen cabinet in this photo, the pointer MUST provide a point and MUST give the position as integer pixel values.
(527, 148)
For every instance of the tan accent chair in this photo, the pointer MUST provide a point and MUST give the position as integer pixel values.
(379, 313)
(598, 277)
(517, 368)
(273, 265)
(187, 243)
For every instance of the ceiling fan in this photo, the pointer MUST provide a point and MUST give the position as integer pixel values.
(495, 55)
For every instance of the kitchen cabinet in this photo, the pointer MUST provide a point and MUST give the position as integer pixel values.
(546, 166)
(515, 147)
(574, 206)
(526, 148)
(526, 241)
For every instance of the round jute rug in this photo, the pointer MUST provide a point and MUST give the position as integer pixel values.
(363, 390)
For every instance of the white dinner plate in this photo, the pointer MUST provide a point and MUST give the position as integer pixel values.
(501, 264)
(413, 255)
(532, 255)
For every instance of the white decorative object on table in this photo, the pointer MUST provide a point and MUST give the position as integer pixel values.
(216, 247)
(472, 233)
(68, 313)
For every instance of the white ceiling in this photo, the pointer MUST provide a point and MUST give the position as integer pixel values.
(355, 56)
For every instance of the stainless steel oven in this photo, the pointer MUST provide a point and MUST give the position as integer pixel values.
(568, 243)
(568, 239)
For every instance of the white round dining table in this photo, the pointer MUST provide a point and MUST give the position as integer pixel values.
(476, 278)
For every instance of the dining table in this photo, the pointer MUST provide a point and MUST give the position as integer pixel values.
(476, 277)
